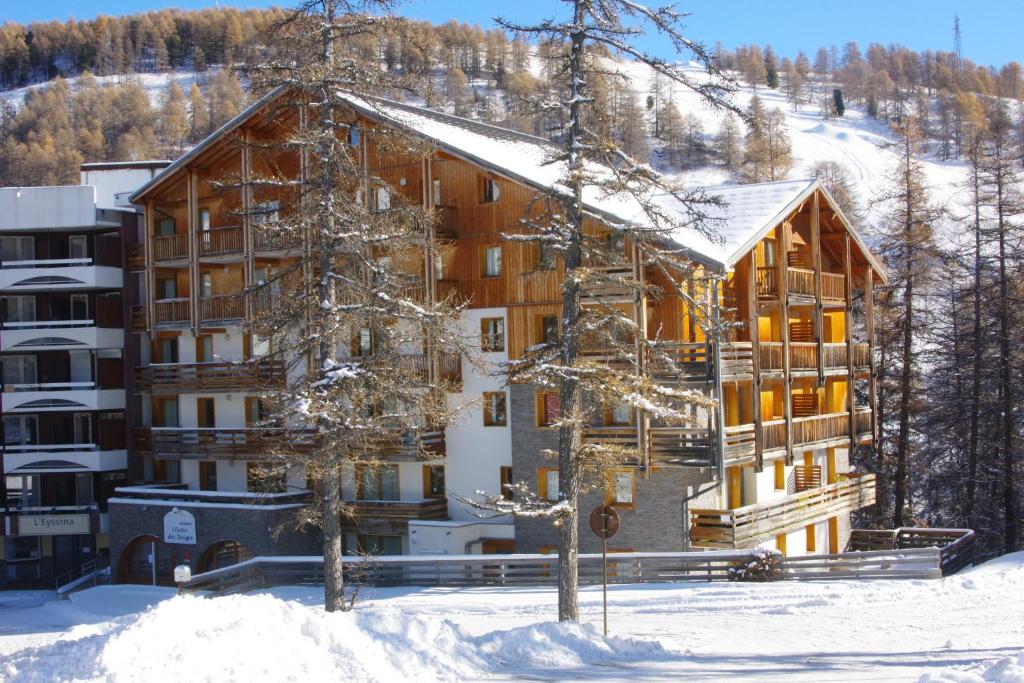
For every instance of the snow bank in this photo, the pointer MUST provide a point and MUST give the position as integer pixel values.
(1006, 670)
(260, 637)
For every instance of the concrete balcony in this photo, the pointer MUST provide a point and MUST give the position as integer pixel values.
(56, 335)
(42, 458)
(750, 525)
(46, 275)
(54, 397)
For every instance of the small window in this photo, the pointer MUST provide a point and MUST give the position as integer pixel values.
(20, 309)
(19, 370)
(548, 408)
(204, 348)
(21, 430)
(78, 247)
(205, 221)
(494, 409)
(769, 252)
(433, 481)
(780, 475)
(256, 411)
(165, 227)
(17, 248)
(80, 307)
(266, 212)
(165, 412)
(206, 285)
(206, 413)
(505, 477)
(437, 192)
(362, 344)
(382, 199)
(492, 334)
(621, 489)
(492, 262)
(547, 332)
(354, 136)
(377, 482)
(547, 483)
(166, 471)
(83, 428)
(208, 475)
(167, 287)
(491, 191)
(619, 414)
(167, 350)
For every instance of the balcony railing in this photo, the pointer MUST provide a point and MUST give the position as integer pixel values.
(226, 240)
(171, 311)
(677, 446)
(170, 247)
(253, 442)
(137, 315)
(800, 281)
(269, 239)
(447, 222)
(392, 515)
(750, 525)
(222, 307)
(136, 257)
(449, 366)
(861, 355)
(175, 378)
(803, 356)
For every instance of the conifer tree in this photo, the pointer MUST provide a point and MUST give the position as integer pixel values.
(174, 123)
(199, 114)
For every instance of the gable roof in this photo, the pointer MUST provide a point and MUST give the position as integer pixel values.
(748, 214)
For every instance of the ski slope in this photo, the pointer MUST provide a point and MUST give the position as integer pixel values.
(956, 629)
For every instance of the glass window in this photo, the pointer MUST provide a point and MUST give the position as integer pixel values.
(616, 243)
(167, 471)
(548, 329)
(206, 285)
(19, 308)
(551, 484)
(167, 287)
(204, 348)
(433, 481)
(494, 409)
(21, 430)
(19, 369)
(78, 247)
(378, 483)
(208, 475)
(437, 192)
(622, 488)
(505, 477)
(84, 489)
(491, 190)
(492, 262)
(266, 212)
(14, 248)
(383, 199)
(620, 414)
(354, 136)
(364, 343)
(548, 408)
(165, 227)
(492, 334)
(167, 350)
(79, 306)
(83, 428)
(205, 223)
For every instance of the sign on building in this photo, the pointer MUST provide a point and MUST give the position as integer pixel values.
(180, 527)
(53, 525)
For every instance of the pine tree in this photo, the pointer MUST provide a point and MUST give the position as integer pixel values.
(729, 144)
(199, 114)
(174, 123)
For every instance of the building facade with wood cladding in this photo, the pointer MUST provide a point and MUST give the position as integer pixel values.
(769, 466)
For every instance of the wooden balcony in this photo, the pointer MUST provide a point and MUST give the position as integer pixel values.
(268, 239)
(170, 247)
(251, 443)
(183, 378)
(677, 446)
(447, 222)
(820, 431)
(750, 525)
(221, 307)
(862, 356)
(800, 284)
(221, 241)
(390, 516)
(449, 366)
(136, 257)
(137, 318)
(803, 357)
(172, 311)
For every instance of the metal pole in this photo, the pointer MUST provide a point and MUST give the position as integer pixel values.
(604, 571)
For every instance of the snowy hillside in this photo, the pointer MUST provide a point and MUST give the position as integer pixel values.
(963, 628)
(153, 84)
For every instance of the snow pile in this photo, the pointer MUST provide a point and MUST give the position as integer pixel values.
(1006, 670)
(260, 637)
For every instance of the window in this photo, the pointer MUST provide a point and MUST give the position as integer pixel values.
(620, 490)
(20, 430)
(377, 482)
(165, 412)
(204, 348)
(547, 483)
(433, 481)
(205, 413)
(20, 309)
(256, 411)
(167, 288)
(362, 345)
(547, 332)
(167, 350)
(492, 262)
(264, 478)
(780, 475)
(548, 404)
(438, 266)
(79, 306)
(266, 212)
(812, 538)
(208, 475)
(769, 252)
(437, 192)
(206, 285)
(494, 409)
(78, 247)
(492, 334)
(166, 471)
(619, 414)
(354, 136)
(505, 477)
(165, 227)
(381, 199)
(490, 189)
(19, 370)
(83, 428)
(205, 222)
(616, 244)
(17, 248)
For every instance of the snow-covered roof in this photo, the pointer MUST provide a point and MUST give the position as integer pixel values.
(750, 211)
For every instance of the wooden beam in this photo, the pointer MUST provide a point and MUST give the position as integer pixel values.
(147, 241)
(643, 421)
(850, 395)
(869, 324)
(818, 306)
(247, 237)
(755, 350)
(192, 226)
(781, 269)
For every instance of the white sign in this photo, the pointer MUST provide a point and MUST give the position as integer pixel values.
(52, 525)
(180, 527)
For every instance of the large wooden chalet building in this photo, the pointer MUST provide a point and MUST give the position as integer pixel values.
(769, 467)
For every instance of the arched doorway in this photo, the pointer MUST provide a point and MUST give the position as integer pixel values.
(223, 554)
(148, 561)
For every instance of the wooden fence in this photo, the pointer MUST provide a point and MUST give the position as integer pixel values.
(956, 546)
(623, 568)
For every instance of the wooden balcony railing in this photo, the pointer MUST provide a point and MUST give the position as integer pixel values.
(833, 287)
(677, 446)
(800, 281)
(222, 307)
(170, 247)
(170, 311)
(269, 239)
(179, 378)
(767, 287)
(136, 257)
(835, 356)
(392, 515)
(226, 240)
(803, 356)
(447, 225)
(254, 442)
(820, 429)
(861, 355)
(137, 322)
(449, 365)
(748, 526)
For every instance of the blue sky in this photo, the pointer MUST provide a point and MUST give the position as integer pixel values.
(990, 27)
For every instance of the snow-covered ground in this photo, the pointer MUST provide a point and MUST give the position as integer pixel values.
(964, 628)
(155, 84)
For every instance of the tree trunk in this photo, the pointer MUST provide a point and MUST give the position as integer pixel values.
(972, 448)
(907, 330)
(1007, 407)
(570, 433)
